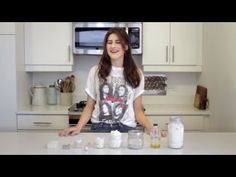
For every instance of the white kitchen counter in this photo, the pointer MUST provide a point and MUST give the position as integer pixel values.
(35, 143)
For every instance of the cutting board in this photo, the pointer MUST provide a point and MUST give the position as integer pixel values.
(200, 100)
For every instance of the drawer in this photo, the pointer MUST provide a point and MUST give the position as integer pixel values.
(191, 123)
(42, 122)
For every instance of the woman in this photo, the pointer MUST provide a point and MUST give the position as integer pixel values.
(116, 67)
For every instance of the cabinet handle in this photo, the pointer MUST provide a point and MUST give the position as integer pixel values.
(167, 54)
(42, 123)
(69, 52)
(173, 53)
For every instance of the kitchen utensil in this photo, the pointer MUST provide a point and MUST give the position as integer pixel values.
(59, 84)
(66, 86)
(72, 79)
(38, 93)
(51, 95)
(65, 98)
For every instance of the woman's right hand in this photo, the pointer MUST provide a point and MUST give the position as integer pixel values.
(71, 131)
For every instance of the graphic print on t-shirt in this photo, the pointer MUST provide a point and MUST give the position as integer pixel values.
(113, 100)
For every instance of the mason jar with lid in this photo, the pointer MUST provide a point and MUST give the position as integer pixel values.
(175, 132)
(135, 139)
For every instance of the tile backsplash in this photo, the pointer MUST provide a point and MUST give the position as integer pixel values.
(155, 84)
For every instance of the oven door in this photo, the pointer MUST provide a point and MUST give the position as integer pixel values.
(73, 120)
(88, 37)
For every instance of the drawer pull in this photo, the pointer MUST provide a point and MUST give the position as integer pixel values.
(42, 123)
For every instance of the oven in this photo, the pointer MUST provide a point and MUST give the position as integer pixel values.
(75, 112)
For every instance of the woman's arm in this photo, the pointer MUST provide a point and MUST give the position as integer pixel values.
(87, 113)
(84, 118)
(139, 114)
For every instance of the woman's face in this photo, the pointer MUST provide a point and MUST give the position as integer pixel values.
(105, 109)
(118, 110)
(121, 91)
(105, 89)
(114, 47)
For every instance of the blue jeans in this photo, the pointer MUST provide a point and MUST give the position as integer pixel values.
(104, 127)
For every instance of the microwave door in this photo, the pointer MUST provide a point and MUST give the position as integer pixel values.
(88, 37)
(89, 40)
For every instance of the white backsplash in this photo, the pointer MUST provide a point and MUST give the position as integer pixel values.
(181, 87)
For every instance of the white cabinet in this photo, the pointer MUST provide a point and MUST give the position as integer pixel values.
(7, 28)
(42, 122)
(172, 47)
(191, 123)
(48, 47)
(8, 81)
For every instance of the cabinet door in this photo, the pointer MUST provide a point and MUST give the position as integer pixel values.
(7, 28)
(191, 123)
(185, 45)
(8, 82)
(156, 38)
(48, 122)
(172, 47)
(48, 46)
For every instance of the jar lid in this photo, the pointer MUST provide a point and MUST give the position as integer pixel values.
(39, 86)
(138, 132)
(175, 118)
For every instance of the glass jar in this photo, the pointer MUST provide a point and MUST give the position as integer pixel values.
(175, 132)
(51, 95)
(155, 137)
(115, 139)
(135, 139)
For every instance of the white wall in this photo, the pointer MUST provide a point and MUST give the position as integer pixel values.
(219, 68)
(181, 86)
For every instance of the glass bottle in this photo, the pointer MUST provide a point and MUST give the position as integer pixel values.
(155, 137)
(175, 132)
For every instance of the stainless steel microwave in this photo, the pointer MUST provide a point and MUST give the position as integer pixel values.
(88, 36)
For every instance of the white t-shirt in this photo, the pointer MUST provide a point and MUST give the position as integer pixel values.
(114, 98)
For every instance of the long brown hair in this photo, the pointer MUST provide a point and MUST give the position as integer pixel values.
(131, 72)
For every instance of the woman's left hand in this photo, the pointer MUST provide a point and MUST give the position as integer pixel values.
(164, 133)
